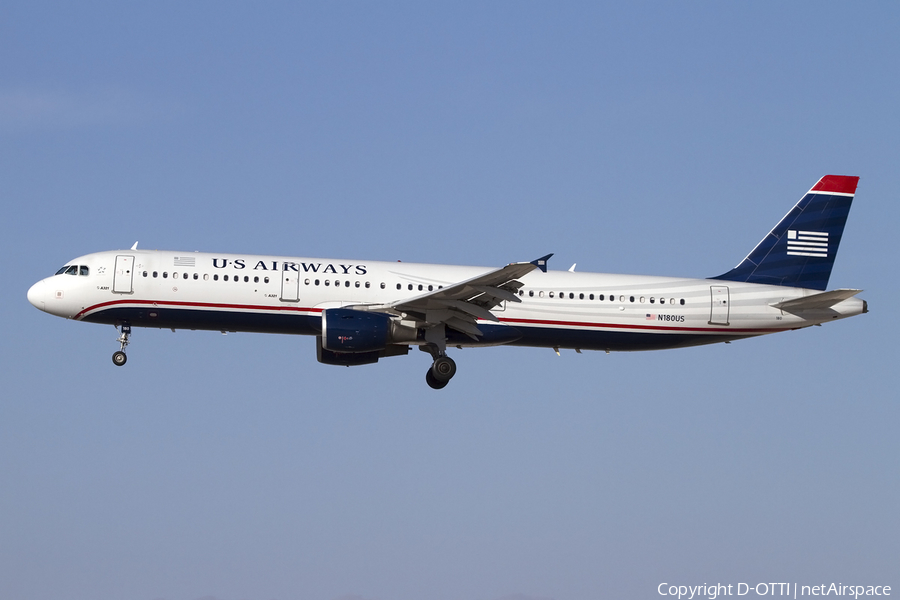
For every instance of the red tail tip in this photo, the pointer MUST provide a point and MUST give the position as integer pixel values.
(841, 184)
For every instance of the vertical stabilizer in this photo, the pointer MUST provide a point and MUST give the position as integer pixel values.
(800, 250)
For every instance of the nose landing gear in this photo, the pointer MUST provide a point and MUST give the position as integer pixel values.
(119, 357)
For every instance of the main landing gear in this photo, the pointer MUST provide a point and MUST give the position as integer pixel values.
(119, 357)
(441, 370)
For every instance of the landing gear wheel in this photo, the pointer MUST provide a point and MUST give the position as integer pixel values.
(443, 369)
(434, 383)
(119, 358)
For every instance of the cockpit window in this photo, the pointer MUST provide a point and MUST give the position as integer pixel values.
(73, 270)
(63, 270)
(82, 270)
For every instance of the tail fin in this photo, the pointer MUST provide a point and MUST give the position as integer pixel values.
(800, 250)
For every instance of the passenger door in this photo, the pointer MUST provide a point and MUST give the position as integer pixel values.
(719, 310)
(123, 275)
(290, 286)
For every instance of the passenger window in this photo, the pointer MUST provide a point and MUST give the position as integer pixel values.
(430, 288)
(256, 279)
(572, 296)
(581, 296)
(82, 270)
(265, 280)
(327, 282)
(551, 294)
(306, 282)
(652, 300)
(316, 282)
(631, 298)
(531, 293)
(224, 277)
(682, 301)
(145, 273)
(540, 294)
(601, 297)
(174, 275)
(336, 284)
(662, 300)
(368, 285)
(196, 276)
(592, 297)
(347, 284)
(642, 299)
(399, 286)
(671, 300)
(166, 275)
(410, 287)
(215, 277)
(246, 279)
(206, 277)
(357, 284)
(621, 298)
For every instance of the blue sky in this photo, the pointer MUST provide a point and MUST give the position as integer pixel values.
(657, 138)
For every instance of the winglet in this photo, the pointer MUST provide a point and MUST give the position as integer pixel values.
(541, 263)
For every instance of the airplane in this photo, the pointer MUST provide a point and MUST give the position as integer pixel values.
(361, 311)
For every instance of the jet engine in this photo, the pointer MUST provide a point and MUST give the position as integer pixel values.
(355, 337)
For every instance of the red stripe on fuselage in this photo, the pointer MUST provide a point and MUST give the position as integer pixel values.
(157, 304)
(300, 309)
(643, 327)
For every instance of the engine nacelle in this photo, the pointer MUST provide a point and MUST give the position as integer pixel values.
(347, 330)
(355, 337)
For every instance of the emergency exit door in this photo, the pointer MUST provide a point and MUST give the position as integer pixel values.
(123, 275)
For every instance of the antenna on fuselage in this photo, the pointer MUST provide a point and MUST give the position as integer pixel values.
(135, 246)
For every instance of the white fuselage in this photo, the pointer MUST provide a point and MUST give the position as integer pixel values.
(231, 292)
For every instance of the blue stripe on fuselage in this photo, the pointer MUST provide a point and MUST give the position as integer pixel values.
(300, 324)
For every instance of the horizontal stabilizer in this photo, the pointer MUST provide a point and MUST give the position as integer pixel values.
(817, 301)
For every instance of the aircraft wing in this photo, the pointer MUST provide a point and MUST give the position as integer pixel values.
(459, 305)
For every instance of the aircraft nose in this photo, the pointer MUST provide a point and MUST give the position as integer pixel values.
(37, 295)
